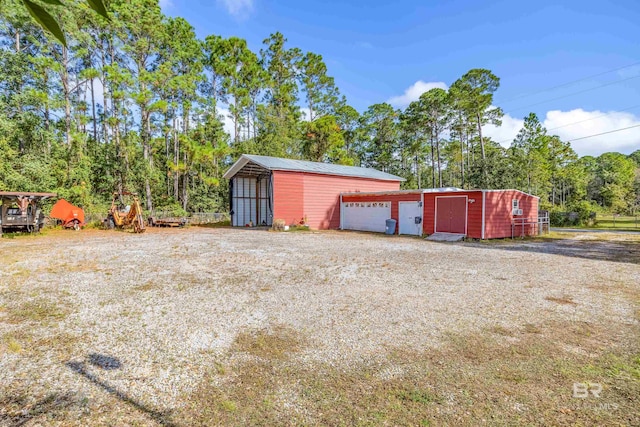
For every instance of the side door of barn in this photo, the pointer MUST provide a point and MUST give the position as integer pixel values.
(451, 214)
(410, 218)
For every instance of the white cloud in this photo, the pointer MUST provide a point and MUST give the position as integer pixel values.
(414, 91)
(578, 123)
(505, 133)
(592, 123)
(237, 8)
(166, 4)
(306, 114)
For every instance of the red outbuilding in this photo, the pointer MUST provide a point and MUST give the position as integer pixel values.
(478, 214)
(327, 196)
(265, 188)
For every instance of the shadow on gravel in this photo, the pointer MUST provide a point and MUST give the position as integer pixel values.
(53, 404)
(111, 363)
(625, 252)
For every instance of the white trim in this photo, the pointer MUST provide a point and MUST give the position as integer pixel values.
(421, 212)
(236, 167)
(341, 213)
(466, 213)
(511, 189)
(484, 205)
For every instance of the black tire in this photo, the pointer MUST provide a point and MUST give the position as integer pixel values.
(111, 224)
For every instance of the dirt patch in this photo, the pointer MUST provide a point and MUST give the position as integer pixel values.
(561, 300)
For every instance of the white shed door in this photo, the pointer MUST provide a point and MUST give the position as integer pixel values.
(365, 216)
(407, 214)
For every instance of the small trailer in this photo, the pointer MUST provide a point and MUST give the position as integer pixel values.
(20, 211)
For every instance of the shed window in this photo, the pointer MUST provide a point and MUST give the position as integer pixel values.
(515, 204)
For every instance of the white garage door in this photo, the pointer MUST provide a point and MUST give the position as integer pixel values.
(365, 216)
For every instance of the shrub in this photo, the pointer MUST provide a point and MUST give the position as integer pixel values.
(278, 225)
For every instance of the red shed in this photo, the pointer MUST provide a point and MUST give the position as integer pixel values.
(479, 214)
(264, 188)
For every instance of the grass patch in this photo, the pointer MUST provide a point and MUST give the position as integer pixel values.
(276, 344)
(37, 310)
(220, 224)
(296, 228)
(471, 380)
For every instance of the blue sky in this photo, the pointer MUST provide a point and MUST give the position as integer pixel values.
(392, 51)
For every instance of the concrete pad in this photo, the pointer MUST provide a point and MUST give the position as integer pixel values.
(446, 237)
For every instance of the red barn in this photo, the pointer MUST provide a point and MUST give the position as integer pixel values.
(479, 214)
(265, 188)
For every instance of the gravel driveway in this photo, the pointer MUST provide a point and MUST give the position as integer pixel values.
(84, 312)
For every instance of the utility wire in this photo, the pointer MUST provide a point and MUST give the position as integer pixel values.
(574, 93)
(527, 94)
(603, 133)
(581, 121)
(593, 118)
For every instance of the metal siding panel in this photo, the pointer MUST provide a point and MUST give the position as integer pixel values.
(287, 196)
(498, 212)
(322, 196)
(235, 212)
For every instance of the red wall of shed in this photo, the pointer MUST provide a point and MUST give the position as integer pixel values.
(316, 196)
(474, 211)
(498, 215)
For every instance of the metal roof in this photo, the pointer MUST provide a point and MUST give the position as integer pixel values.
(411, 191)
(9, 194)
(277, 163)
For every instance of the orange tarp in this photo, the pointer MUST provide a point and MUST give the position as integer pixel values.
(66, 212)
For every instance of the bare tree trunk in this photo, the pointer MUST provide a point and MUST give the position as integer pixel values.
(433, 165)
(146, 153)
(67, 97)
(93, 112)
(176, 160)
(462, 160)
(439, 160)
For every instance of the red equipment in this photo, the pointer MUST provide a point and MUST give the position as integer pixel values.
(71, 216)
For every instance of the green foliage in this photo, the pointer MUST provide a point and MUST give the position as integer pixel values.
(49, 23)
(137, 102)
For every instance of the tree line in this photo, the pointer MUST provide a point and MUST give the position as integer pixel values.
(137, 102)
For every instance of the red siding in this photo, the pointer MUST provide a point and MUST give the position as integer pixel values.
(288, 197)
(393, 198)
(316, 196)
(474, 211)
(498, 215)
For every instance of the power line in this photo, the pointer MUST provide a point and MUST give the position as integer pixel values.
(527, 94)
(581, 121)
(593, 118)
(603, 133)
(574, 93)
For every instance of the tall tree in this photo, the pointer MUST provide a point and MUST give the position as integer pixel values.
(280, 116)
(141, 31)
(476, 87)
(321, 92)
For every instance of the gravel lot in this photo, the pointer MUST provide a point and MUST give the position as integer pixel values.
(97, 314)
